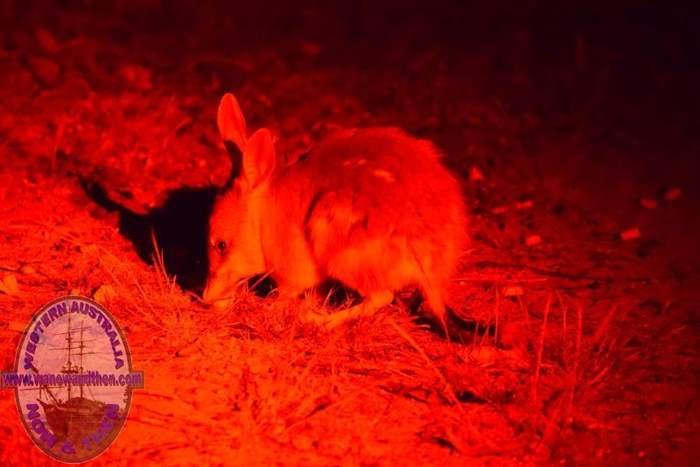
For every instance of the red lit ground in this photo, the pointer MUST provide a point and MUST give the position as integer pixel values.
(572, 125)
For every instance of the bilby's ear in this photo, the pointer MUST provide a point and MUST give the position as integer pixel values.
(259, 158)
(233, 131)
(231, 122)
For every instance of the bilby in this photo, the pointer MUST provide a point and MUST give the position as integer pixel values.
(372, 208)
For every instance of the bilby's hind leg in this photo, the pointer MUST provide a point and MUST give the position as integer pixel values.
(436, 303)
(368, 307)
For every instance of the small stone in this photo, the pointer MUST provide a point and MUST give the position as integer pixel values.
(630, 234)
(648, 203)
(9, 285)
(672, 194)
(533, 240)
(522, 205)
(513, 291)
(104, 293)
(476, 175)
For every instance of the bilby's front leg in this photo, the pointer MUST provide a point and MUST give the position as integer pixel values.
(368, 307)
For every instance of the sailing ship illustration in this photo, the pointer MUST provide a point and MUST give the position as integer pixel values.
(71, 413)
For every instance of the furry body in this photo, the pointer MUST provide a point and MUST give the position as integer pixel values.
(372, 208)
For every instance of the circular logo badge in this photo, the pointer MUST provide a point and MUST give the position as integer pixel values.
(73, 379)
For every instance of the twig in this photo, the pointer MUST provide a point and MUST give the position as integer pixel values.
(540, 350)
(564, 325)
(600, 332)
(498, 312)
(564, 275)
(577, 356)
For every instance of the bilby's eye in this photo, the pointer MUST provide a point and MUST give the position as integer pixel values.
(220, 246)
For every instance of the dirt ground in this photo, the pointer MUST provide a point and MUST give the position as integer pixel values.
(573, 129)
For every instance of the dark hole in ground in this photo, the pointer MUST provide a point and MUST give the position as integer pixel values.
(180, 227)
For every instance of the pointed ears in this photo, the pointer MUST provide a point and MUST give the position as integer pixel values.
(231, 122)
(259, 157)
(233, 131)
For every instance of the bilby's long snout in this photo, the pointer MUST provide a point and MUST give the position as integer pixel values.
(214, 292)
(207, 295)
(216, 295)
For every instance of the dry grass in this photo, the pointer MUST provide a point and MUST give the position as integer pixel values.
(256, 384)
